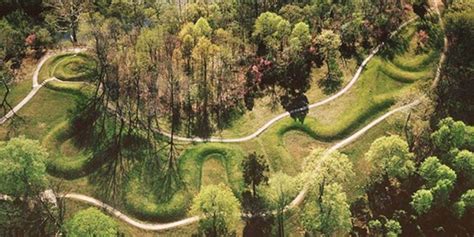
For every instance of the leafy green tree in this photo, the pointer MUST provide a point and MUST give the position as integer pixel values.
(439, 178)
(390, 157)
(292, 13)
(148, 46)
(202, 28)
(219, 209)
(255, 171)
(271, 30)
(466, 201)
(321, 169)
(450, 134)
(332, 215)
(375, 227)
(464, 165)
(43, 38)
(91, 222)
(422, 201)
(329, 43)
(432, 171)
(389, 228)
(279, 192)
(300, 38)
(22, 167)
(11, 41)
(393, 228)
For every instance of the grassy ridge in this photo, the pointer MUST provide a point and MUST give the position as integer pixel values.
(144, 203)
(68, 67)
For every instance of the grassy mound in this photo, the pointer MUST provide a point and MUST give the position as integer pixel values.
(142, 200)
(69, 67)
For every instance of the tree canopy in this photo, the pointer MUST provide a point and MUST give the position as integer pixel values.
(22, 167)
(219, 209)
(91, 222)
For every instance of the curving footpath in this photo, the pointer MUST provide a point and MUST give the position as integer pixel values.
(166, 226)
(299, 198)
(36, 85)
(354, 79)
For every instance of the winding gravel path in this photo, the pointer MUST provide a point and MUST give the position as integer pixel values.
(166, 226)
(36, 86)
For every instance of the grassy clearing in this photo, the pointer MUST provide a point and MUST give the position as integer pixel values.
(68, 67)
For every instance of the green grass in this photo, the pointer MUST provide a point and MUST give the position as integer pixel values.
(18, 91)
(213, 171)
(144, 203)
(47, 109)
(356, 151)
(263, 111)
(284, 145)
(68, 67)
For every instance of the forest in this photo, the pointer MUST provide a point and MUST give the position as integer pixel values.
(236, 118)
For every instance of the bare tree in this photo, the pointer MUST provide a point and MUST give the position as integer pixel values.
(64, 15)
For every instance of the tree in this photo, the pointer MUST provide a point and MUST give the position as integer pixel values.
(279, 193)
(255, 171)
(300, 38)
(466, 201)
(390, 157)
(219, 209)
(202, 28)
(453, 92)
(204, 54)
(64, 15)
(450, 134)
(321, 169)
(433, 171)
(422, 201)
(329, 43)
(439, 178)
(331, 216)
(91, 222)
(22, 167)
(464, 165)
(393, 228)
(271, 31)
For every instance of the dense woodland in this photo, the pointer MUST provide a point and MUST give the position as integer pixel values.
(192, 68)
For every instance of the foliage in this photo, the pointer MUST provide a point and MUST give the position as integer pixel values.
(272, 30)
(464, 164)
(393, 228)
(279, 192)
(390, 227)
(22, 168)
(454, 90)
(422, 201)
(219, 209)
(331, 215)
(300, 38)
(91, 222)
(321, 169)
(466, 201)
(329, 43)
(433, 171)
(450, 134)
(255, 171)
(390, 156)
